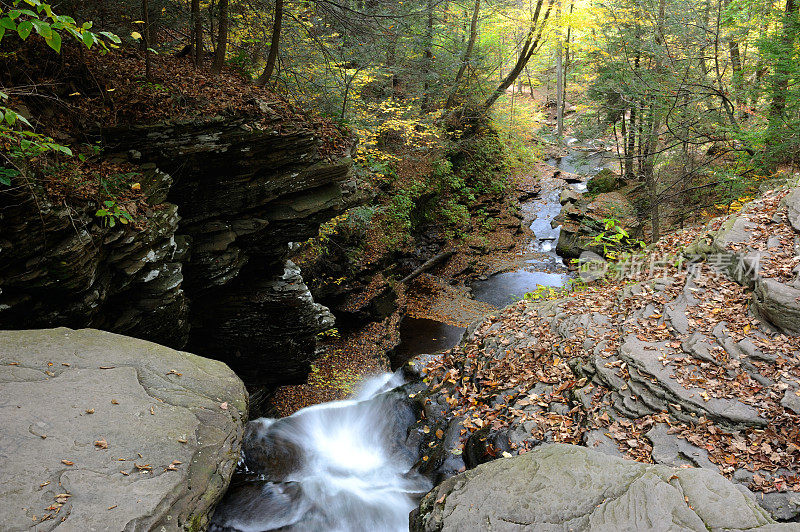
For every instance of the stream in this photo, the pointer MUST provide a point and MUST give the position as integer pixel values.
(347, 465)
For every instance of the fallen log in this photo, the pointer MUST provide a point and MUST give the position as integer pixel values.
(429, 264)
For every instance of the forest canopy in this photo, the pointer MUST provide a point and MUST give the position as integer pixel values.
(696, 94)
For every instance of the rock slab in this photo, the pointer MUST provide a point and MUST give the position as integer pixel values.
(566, 487)
(106, 432)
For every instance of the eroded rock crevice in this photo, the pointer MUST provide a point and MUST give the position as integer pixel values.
(207, 267)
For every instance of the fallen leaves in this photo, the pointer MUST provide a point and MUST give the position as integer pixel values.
(101, 444)
(68, 462)
(173, 466)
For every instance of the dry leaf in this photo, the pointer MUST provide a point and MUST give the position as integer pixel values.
(67, 462)
(101, 444)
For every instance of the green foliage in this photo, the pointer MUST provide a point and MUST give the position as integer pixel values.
(112, 213)
(21, 144)
(615, 239)
(26, 16)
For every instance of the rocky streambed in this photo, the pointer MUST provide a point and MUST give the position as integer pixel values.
(590, 371)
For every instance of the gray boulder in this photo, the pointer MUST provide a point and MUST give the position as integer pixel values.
(106, 432)
(565, 487)
(779, 304)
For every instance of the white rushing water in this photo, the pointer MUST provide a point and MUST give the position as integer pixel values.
(342, 465)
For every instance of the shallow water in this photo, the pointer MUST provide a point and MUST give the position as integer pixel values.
(422, 335)
(545, 268)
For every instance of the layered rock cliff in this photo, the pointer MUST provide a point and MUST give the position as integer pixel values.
(208, 266)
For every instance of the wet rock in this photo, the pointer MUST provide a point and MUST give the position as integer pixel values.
(267, 452)
(260, 505)
(568, 196)
(82, 409)
(563, 487)
(483, 446)
(264, 329)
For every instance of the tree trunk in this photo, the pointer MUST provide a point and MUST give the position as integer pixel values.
(780, 82)
(530, 47)
(273, 46)
(145, 40)
(222, 38)
(566, 61)
(737, 77)
(559, 80)
(473, 32)
(428, 61)
(197, 33)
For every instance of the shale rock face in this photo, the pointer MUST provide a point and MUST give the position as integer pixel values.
(208, 271)
(565, 487)
(106, 432)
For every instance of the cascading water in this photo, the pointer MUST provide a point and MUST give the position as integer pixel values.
(343, 465)
(351, 465)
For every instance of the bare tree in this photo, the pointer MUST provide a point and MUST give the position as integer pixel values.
(531, 45)
(473, 32)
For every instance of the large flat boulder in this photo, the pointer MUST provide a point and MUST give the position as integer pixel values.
(566, 487)
(106, 432)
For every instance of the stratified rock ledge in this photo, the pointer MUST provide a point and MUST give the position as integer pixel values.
(106, 432)
(566, 487)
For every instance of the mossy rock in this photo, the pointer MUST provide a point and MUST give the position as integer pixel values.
(605, 181)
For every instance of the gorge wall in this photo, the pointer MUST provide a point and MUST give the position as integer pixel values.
(207, 267)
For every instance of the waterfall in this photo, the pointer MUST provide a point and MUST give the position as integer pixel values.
(343, 465)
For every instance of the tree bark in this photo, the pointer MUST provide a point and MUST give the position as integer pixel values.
(273, 46)
(145, 40)
(473, 32)
(559, 82)
(428, 61)
(222, 38)
(780, 83)
(197, 33)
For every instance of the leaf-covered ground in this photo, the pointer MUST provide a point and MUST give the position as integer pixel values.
(584, 369)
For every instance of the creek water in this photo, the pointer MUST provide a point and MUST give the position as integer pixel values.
(346, 465)
(542, 265)
(338, 466)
